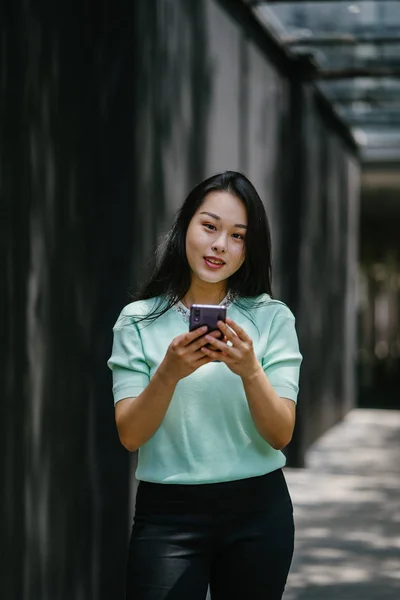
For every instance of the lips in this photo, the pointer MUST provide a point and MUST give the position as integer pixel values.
(213, 263)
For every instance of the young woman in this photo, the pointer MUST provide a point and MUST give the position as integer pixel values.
(209, 416)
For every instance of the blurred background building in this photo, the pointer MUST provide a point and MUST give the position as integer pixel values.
(110, 111)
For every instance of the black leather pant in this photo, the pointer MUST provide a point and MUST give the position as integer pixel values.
(236, 537)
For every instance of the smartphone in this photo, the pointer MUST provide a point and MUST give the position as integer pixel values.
(206, 314)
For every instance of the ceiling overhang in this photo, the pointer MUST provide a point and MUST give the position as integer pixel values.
(354, 47)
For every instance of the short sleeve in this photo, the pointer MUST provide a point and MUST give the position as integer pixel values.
(130, 371)
(282, 359)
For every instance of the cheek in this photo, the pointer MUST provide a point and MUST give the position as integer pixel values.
(190, 238)
(194, 244)
(189, 251)
(239, 254)
(197, 239)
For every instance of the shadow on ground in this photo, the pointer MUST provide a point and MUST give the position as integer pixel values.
(347, 507)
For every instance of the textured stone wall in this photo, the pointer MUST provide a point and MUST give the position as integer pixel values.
(66, 183)
(327, 277)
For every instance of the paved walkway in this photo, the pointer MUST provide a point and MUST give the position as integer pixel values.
(347, 510)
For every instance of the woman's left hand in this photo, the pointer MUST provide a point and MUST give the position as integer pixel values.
(239, 354)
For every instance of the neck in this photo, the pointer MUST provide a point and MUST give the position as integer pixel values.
(205, 293)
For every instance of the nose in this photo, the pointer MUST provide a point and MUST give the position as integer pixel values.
(219, 244)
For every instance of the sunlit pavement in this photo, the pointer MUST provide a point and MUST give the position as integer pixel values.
(347, 512)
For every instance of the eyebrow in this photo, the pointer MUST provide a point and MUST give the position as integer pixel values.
(219, 218)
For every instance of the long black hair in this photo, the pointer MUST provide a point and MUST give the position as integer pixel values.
(172, 277)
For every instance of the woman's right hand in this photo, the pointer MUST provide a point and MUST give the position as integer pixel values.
(184, 355)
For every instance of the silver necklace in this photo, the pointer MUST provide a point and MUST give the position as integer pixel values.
(185, 312)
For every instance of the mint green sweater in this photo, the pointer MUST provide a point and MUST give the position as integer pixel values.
(207, 434)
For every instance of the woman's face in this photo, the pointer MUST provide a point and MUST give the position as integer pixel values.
(215, 239)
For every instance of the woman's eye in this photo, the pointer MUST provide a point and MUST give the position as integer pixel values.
(238, 236)
(210, 226)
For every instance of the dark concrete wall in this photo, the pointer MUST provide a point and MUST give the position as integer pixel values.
(66, 183)
(109, 113)
(327, 276)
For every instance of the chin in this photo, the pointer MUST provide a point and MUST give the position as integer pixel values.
(210, 278)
